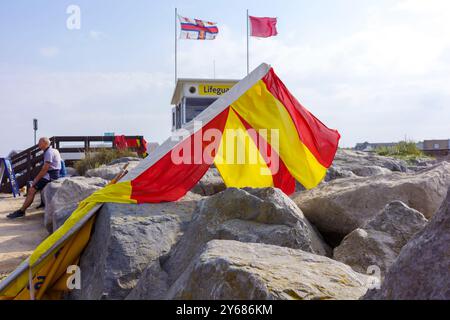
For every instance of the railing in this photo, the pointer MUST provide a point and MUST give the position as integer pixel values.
(28, 163)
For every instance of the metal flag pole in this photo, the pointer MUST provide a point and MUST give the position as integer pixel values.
(248, 63)
(176, 44)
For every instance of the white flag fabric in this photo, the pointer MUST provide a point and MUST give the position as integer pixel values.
(195, 29)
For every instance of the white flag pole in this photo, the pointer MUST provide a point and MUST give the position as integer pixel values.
(248, 36)
(176, 44)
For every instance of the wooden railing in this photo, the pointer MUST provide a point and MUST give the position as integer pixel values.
(28, 163)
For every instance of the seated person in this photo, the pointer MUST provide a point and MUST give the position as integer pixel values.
(50, 171)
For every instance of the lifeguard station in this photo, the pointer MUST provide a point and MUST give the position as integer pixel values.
(192, 96)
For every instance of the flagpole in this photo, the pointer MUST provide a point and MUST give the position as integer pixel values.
(248, 64)
(176, 44)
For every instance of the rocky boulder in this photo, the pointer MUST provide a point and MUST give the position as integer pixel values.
(235, 270)
(334, 173)
(247, 215)
(67, 193)
(127, 238)
(353, 160)
(341, 206)
(109, 172)
(124, 160)
(211, 183)
(379, 242)
(422, 270)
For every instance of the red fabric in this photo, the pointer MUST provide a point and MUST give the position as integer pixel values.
(122, 142)
(167, 181)
(282, 179)
(263, 27)
(317, 137)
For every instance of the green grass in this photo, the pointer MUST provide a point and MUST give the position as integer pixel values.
(405, 150)
(103, 156)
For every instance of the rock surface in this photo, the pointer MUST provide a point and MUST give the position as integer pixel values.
(340, 206)
(67, 193)
(247, 215)
(128, 238)
(379, 242)
(235, 270)
(422, 270)
(211, 183)
(109, 172)
(351, 160)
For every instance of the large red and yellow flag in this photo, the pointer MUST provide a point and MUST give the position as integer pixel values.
(257, 135)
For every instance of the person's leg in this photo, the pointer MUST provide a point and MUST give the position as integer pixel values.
(29, 199)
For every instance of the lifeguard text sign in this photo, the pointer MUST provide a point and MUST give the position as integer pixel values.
(213, 89)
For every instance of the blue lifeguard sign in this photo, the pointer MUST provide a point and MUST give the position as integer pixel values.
(6, 167)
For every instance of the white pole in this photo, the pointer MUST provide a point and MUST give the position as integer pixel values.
(176, 43)
(248, 63)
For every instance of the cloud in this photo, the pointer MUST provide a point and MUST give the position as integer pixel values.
(49, 52)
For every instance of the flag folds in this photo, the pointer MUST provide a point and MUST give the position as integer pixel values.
(195, 29)
(257, 135)
(263, 27)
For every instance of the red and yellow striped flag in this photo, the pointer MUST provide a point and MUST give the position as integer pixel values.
(257, 135)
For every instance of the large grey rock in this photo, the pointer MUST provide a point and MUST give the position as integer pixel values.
(351, 160)
(124, 160)
(50, 189)
(422, 270)
(340, 206)
(334, 173)
(67, 193)
(368, 171)
(211, 183)
(379, 242)
(128, 238)
(109, 172)
(247, 215)
(235, 270)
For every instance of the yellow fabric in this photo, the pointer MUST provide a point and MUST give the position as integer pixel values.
(263, 111)
(119, 193)
(238, 159)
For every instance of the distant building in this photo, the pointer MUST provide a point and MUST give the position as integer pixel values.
(192, 96)
(436, 147)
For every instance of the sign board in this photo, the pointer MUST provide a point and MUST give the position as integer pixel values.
(6, 167)
(109, 134)
(213, 89)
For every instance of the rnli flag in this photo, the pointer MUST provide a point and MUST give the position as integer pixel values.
(195, 29)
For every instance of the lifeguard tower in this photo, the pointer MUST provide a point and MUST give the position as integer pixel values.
(192, 96)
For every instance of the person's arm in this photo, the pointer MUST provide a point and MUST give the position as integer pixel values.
(41, 173)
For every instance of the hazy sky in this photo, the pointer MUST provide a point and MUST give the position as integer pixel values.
(376, 70)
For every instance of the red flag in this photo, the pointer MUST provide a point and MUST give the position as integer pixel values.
(263, 27)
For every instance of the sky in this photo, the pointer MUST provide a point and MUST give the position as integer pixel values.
(376, 70)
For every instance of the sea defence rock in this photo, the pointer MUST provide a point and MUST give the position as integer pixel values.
(340, 206)
(124, 160)
(63, 195)
(109, 172)
(127, 238)
(422, 270)
(354, 160)
(379, 242)
(235, 270)
(247, 215)
(211, 183)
